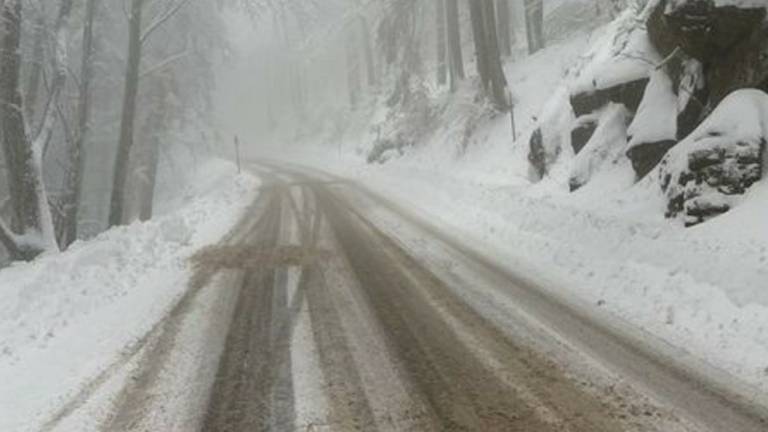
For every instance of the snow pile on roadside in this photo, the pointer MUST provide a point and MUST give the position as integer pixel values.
(701, 289)
(66, 318)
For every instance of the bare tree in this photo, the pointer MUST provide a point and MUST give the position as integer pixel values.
(487, 50)
(74, 185)
(442, 71)
(504, 28)
(370, 63)
(353, 71)
(157, 121)
(35, 72)
(32, 219)
(534, 24)
(136, 40)
(120, 170)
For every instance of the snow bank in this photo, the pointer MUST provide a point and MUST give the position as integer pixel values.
(702, 290)
(66, 318)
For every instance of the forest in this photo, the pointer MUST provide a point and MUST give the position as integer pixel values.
(91, 90)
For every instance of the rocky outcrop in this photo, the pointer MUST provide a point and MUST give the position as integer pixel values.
(730, 42)
(646, 156)
(711, 51)
(629, 94)
(653, 130)
(537, 155)
(707, 32)
(744, 65)
(606, 147)
(581, 134)
(693, 96)
(705, 174)
(714, 174)
(668, 66)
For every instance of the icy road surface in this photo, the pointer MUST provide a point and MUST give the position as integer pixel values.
(336, 310)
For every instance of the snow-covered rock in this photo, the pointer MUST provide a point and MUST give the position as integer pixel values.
(614, 71)
(730, 37)
(705, 174)
(606, 147)
(654, 129)
(552, 136)
(669, 63)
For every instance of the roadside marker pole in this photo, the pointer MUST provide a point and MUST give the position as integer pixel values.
(514, 129)
(512, 116)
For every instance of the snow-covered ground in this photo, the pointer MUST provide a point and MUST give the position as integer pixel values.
(67, 318)
(703, 289)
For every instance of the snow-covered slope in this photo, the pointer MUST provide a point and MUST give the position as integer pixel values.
(66, 318)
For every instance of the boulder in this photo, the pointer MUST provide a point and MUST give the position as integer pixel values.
(743, 65)
(704, 175)
(729, 42)
(690, 116)
(714, 174)
(707, 32)
(537, 156)
(605, 149)
(581, 134)
(654, 127)
(646, 156)
(629, 94)
(546, 143)
(659, 31)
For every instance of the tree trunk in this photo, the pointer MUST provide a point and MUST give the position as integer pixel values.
(122, 159)
(77, 153)
(442, 71)
(16, 146)
(353, 72)
(156, 124)
(488, 57)
(534, 24)
(36, 67)
(24, 155)
(504, 27)
(476, 10)
(146, 208)
(370, 64)
(297, 89)
(453, 29)
(498, 82)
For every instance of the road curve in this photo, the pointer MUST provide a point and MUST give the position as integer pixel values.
(340, 323)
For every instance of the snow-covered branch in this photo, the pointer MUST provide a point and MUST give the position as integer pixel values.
(164, 63)
(8, 239)
(169, 13)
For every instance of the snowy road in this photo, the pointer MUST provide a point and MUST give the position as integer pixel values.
(348, 312)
